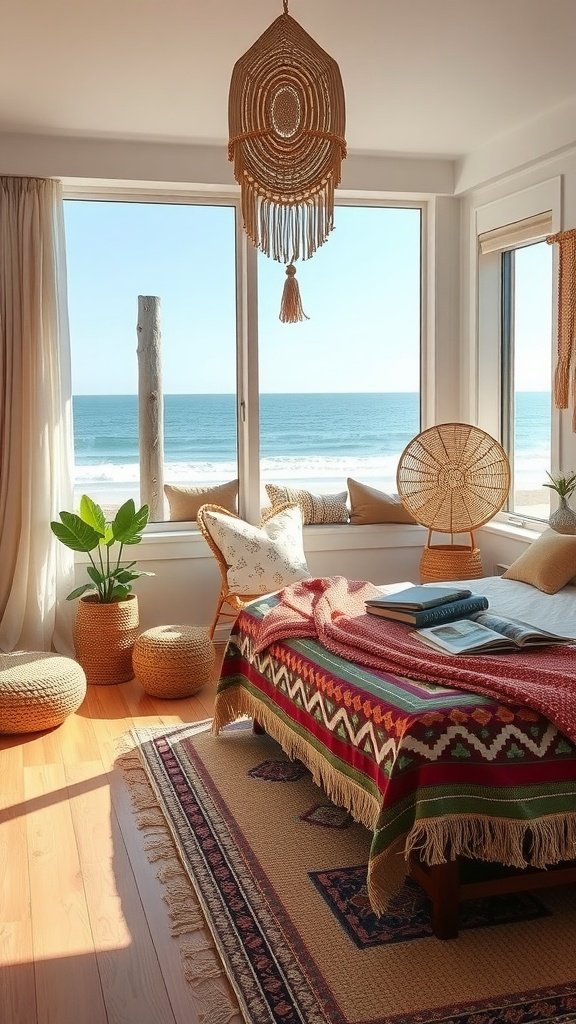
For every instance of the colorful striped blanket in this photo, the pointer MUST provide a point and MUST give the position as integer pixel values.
(427, 768)
(332, 611)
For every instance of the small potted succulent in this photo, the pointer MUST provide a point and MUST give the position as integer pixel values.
(107, 618)
(563, 519)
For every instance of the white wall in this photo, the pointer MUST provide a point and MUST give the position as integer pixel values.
(187, 581)
(98, 160)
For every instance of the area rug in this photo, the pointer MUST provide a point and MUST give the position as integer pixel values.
(279, 875)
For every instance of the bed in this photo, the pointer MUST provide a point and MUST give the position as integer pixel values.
(453, 780)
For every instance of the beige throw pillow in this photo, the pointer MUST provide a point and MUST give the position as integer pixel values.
(368, 505)
(316, 508)
(548, 564)
(260, 559)
(184, 502)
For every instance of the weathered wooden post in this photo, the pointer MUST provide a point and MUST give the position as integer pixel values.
(150, 406)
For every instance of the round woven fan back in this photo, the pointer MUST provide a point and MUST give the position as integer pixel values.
(453, 477)
(286, 117)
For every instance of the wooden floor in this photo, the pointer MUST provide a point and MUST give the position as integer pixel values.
(84, 931)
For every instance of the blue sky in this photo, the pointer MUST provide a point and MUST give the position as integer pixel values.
(532, 313)
(360, 290)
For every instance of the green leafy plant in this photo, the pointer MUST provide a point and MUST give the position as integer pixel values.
(563, 484)
(90, 532)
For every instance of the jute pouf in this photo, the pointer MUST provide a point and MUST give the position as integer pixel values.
(38, 690)
(173, 661)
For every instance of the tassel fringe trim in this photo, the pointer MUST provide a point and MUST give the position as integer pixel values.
(519, 844)
(291, 311)
(200, 961)
(286, 228)
(236, 702)
(565, 371)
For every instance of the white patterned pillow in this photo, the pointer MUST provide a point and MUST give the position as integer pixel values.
(260, 559)
(316, 508)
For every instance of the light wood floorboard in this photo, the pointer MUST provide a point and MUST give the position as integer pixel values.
(84, 929)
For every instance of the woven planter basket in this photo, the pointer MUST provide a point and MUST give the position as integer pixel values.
(450, 562)
(104, 636)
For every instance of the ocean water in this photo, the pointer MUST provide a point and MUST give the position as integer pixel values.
(313, 440)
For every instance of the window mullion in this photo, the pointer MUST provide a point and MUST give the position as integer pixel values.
(507, 394)
(247, 376)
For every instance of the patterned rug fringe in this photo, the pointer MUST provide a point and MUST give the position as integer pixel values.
(200, 961)
(236, 703)
(213, 1009)
(199, 964)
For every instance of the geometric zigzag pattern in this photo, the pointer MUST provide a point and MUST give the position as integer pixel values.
(386, 749)
(443, 769)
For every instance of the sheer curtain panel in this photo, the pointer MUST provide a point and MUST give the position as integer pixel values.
(36, 456)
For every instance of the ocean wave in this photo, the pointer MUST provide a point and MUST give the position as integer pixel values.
(271, 469)
(530, 471)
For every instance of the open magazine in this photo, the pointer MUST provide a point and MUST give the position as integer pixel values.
(487, 631)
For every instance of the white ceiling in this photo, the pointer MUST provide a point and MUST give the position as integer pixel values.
(422, 77)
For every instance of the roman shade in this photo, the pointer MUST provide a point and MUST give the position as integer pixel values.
(521, 232)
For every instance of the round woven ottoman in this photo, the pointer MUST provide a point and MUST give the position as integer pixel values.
(38, 690)
(173, 661)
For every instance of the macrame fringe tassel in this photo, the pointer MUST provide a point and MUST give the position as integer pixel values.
(565, 372)
(291, 311)
(286, 228)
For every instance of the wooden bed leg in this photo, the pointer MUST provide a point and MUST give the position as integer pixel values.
(257, 729)
(441, 883)
(444, 895)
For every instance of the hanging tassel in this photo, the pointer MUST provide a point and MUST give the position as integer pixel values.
(291, 306)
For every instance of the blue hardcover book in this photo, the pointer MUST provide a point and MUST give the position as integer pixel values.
(447, 612)
(415, 599)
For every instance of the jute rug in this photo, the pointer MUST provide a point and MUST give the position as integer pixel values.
(279, 874)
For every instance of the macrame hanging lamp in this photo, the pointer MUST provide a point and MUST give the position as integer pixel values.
(286, 118)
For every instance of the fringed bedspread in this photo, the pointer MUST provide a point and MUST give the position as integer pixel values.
(427, 768)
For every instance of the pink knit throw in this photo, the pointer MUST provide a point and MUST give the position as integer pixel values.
(332, 611)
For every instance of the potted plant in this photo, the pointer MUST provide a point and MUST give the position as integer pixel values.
(107, 620)
(563, 519)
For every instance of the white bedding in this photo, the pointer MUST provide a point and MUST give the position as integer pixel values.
(555, 612)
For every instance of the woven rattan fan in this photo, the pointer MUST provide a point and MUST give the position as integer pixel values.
(453, 478)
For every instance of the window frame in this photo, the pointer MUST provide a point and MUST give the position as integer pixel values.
(496, 216)
(247, 389)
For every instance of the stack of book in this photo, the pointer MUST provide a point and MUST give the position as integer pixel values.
(427, 606)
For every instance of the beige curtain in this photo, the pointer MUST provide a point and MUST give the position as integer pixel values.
(36, 457)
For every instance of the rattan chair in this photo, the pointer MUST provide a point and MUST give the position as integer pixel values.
(235, 602)
(453, 478)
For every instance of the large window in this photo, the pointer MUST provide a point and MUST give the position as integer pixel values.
(514, 356)
(185, 255)
(339, 394)
(526, 375)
